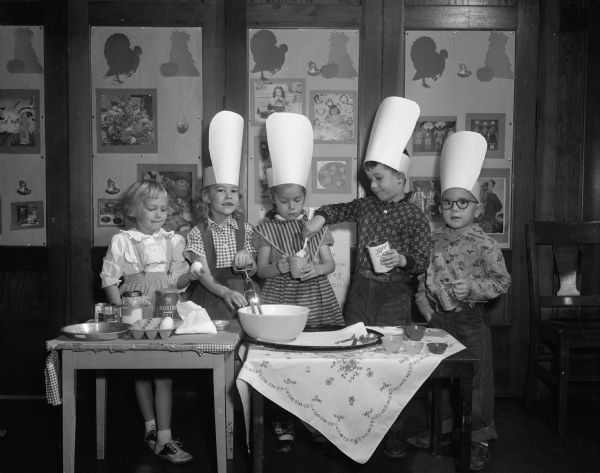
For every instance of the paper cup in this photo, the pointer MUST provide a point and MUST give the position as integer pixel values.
(375, 253)
(296, 265)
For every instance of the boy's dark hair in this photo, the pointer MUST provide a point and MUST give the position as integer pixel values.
(368, 165)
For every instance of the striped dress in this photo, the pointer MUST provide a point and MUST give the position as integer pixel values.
(316, 293)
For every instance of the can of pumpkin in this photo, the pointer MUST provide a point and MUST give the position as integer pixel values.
(165, 303)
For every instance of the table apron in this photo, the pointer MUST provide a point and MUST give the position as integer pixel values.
(141, 359)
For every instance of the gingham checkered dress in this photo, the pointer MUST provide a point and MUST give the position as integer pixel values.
(317, 293)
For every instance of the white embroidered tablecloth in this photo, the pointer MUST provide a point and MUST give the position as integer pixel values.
(352, 397)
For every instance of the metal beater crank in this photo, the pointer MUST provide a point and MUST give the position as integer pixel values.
(250, 294)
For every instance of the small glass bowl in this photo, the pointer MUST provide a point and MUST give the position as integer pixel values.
(221, 324)
(437, 348)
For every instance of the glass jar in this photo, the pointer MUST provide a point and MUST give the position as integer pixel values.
(134, 304)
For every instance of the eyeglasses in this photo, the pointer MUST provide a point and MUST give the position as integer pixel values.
(461, 204)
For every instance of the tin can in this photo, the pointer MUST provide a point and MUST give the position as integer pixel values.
(165, 304)
(98, 308)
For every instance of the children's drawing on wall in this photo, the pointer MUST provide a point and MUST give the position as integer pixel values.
(126, 120)
(281, 96)
(492, 127)
(181, 63)
(492, 196)
(183, 125)
(430, 134)
(23, 188)
(331, 175)
(339, 64)
(268, 56)
(333, 116)
(25, 59)
(111, 187)
(262, 157)
(180, 182)
(27, 215)
(497, 62)
(19, 118)
(109, 213)
(428, 62)
(426, 195)
(463, 71)
(121, 58)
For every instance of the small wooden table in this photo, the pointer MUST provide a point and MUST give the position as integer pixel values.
(458, 366)
(189, 351)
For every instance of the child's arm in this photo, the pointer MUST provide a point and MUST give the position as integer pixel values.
(266, 269)
(112, 294)
(330, 214)
(327, 265)
(419, 245)
(421, 298)
(232, 298)
(243, 260)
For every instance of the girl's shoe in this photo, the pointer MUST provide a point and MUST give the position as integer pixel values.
(150, 439)
(173, 452)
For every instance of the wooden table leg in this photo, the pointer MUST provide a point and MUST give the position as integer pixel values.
(100, 414)
(229, 409)
(258, 431)
(69, 393)
(466, 396)
(219, 391)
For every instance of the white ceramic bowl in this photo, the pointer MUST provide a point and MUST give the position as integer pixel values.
(278, 322)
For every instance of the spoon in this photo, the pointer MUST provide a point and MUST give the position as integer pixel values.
(303, 251)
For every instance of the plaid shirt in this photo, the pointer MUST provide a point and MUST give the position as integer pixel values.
(223, 241)
(401, 224)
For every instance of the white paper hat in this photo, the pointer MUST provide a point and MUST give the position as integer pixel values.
(393, 126)
(225, 135)
(462, 157)
(290, 138)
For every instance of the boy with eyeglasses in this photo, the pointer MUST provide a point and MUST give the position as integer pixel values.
(466, 270)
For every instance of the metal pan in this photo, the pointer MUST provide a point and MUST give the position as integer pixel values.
(96, 330)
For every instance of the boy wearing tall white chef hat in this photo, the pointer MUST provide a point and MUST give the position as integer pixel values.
(279, 240)
(221, 240)
(466, 270)
(381, 289)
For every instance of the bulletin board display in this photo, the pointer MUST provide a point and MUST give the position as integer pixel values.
(313, 72)
(22, 136)
(146, 92)
(463, 80)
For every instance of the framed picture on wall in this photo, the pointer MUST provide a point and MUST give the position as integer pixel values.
(181, 182)
(20, 121)
(262, 162)
(426, 195)
(492, 126)
(495, 196)
(126, 121)
(282, 95)
(430, 133)
(109, 213)
(331, 175)
(333, 115)
(27, 215)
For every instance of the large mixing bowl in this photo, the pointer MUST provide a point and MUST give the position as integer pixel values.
(278, 322)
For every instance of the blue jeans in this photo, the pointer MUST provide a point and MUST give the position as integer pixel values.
(378, 302)
(469, 328)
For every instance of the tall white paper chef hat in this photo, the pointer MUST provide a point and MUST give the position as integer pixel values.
(393, 126)
(290, 138)
(225, 135)
(462, 157)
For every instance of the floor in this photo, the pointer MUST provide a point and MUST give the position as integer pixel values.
(30, 438)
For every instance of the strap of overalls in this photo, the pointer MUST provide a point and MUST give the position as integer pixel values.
(139, 254)
(209, 246)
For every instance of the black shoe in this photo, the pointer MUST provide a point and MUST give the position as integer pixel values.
(393, 446)
(285, 437)
(480, 455)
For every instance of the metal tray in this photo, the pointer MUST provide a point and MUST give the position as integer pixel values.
(96, 330)
(288, 347)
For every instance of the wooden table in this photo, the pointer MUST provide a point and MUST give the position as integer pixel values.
(190, 351)
(458, 366)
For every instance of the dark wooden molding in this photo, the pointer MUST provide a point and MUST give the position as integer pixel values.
(147, 13)
(303, 15)
(460, 17)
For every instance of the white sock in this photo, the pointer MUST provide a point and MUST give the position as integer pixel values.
(150, 425)
(164, 436)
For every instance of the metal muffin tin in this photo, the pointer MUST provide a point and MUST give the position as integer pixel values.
(96, 330)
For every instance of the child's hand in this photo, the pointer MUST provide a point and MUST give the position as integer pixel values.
(196, 271)
(309, 271)
(313, 226)
(283, 265)
(243, 259)
(391, 259)
(234, 299)
(461, 288)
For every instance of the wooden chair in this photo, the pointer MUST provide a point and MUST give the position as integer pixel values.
(563, 261)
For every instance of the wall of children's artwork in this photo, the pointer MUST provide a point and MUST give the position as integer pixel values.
(313, 72)
(146, 119)
(463, 80)
(22, 139)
